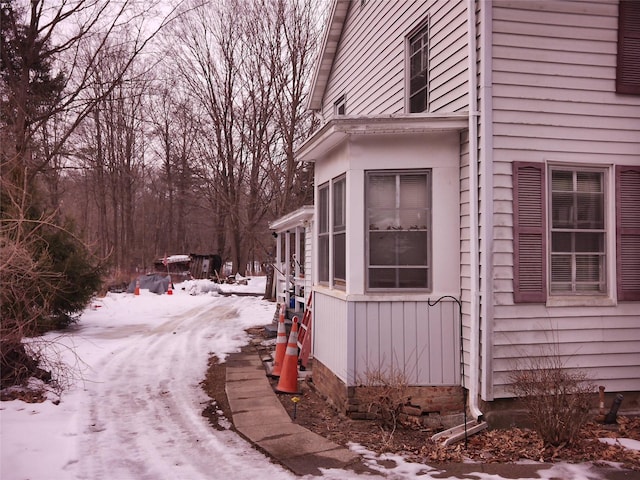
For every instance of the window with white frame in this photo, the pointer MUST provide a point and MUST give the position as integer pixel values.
(577, 254)
(332, 238)
(398, 218)
(563, 243)
(339, 231)
(323, 234)
(418, 69)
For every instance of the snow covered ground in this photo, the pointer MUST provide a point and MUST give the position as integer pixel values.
(134, 410)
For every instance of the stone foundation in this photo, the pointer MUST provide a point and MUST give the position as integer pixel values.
(436, 406)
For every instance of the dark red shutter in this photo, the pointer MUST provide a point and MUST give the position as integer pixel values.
(628, 232)
(529, 233)
(628, 69)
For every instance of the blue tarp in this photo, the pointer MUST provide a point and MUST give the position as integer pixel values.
(155, 283)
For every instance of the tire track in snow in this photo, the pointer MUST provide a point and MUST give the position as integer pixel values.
(146, 407)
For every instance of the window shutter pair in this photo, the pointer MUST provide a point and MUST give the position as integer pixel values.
(530, 236)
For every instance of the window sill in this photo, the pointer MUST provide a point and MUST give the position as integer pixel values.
(330, 292)
(581, 301)
(375, 297)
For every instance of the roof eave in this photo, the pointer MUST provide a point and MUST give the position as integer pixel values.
(340, 129)
(293, 219)
(324, 63)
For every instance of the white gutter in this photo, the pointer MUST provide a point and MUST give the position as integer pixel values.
(486, 212)
(474, 340)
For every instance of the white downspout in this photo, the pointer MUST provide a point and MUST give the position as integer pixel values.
(474, 340)
(486, 211)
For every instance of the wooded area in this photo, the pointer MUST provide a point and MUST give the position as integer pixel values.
(171, 135)
(134, 130)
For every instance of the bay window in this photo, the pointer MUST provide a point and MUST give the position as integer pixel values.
(332, 240)
(399, 231)
(323, 234)
(339, 232)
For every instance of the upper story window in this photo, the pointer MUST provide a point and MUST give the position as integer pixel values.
(340, 106)
(418, 68)
(628, 68)
(399, 230)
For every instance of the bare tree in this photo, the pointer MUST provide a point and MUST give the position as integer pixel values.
(39, 87)
(112, 152)
(247, 64)
(299, 22)
(209, 62)
(175, 129)
(45, 94)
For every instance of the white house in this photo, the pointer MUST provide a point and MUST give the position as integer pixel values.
(477, 195)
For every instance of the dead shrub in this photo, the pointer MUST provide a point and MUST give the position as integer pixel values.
(557, 399)
(384, 392)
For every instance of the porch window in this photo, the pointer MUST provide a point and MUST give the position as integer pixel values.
(418, 67)
(339, 232)
(323, 234)
(399, 230)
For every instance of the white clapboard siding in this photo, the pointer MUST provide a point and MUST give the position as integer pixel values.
(378, 64)
(465, 258)
(554, 99)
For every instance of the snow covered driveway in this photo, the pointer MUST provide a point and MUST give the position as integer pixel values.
(137, 412)
(145, 405)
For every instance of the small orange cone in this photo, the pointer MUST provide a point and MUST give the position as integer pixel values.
(137, 290)
(288, 382)
(281, 344)
(169, 291)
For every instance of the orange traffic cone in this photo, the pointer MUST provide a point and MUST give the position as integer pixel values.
(281, 344)
(169, 291)
(137, 290)
(288, 382)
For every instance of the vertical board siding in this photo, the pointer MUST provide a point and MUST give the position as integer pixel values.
(418, 340)
(377, 64)
(331, 333)
(554, 100)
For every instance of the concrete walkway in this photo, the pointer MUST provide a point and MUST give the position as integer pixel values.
(260, 417)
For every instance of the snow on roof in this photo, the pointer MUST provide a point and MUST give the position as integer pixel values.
(175, 259)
